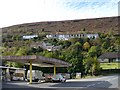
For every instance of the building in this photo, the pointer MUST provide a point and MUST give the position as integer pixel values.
(94, 36)
(46, 46)
(53, 48)
(12, 73)
(109, 57)
(29, 36)
(69, 36)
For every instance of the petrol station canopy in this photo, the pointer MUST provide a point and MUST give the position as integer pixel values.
(37, 61)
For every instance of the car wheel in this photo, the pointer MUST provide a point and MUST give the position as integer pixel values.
(36, 80)
(52, 81)
(64, 80)
(28, 80)
(60, 80)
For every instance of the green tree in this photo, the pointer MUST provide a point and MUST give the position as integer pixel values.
(92, 65)
(34, 51)
(74, 40)
(94, 51)
(9, 51)
(66, 44)
(117, 44)
(73, 55)
(22, 51)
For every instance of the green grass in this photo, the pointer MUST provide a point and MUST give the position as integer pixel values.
(110, 65)
(92, 76)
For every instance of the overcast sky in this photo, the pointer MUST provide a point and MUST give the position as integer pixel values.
(14, 12)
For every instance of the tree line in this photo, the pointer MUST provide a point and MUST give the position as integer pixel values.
(82, 53)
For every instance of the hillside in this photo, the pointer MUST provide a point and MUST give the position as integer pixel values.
(75, 51)
(69, 26)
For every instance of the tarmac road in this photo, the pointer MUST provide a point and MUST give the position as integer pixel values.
(102, 83)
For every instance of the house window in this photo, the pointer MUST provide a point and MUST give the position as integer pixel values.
(80, 35)
(77, 35)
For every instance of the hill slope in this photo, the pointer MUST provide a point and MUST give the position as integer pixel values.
(69, 26)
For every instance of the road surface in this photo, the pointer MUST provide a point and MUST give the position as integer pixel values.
(105, 82)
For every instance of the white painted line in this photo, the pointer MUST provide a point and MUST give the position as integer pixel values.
(91, 85)
(99, 82)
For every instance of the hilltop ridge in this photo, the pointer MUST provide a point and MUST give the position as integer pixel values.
(93, 25)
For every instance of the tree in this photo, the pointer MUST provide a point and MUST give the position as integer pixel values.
(73, 55)
(9, 51)
(76, 47)
(66, 44)
(117, 44)
(17, 64)
(94, 51)
(92, 65)
(34, 51)
(74, 40)
(13, 64)
(22, 51)
(86, 45)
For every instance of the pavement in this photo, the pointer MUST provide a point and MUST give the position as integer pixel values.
(105, 82)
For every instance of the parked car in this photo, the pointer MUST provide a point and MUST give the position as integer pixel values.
(36, 75)
(48, 78)
(59, 78)
(18, 75)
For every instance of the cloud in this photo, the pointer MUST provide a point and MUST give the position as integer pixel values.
(78, 5)
(93, 9)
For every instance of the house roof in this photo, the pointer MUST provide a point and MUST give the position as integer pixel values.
(110, 55)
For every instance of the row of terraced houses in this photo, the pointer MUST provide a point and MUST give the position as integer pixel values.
(69, 36)
(65, 36)
(60, 37)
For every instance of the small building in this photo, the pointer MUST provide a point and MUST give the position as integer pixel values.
(29, 36)
(50, 47)
(53, 48)
(36, 44)
(47, 46)
(109, 57)
(12, 73)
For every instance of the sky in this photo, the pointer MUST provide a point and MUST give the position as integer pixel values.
(13, 12)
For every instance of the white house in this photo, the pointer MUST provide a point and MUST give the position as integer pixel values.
(29, 36)
(50, 47)
(92, 36)
(53, 48)
(69, 36)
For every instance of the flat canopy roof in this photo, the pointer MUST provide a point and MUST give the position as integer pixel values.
(37, 61)
(12, 68)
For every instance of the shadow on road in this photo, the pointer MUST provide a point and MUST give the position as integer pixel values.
(84, 84)
(87, 85)
(6, 85)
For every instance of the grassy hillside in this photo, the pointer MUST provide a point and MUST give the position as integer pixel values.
(70, 26)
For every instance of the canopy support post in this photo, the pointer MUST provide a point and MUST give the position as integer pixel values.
(54, 70)
(30, 72)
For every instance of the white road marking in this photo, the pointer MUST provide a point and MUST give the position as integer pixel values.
(91, 85)
(99, 82)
